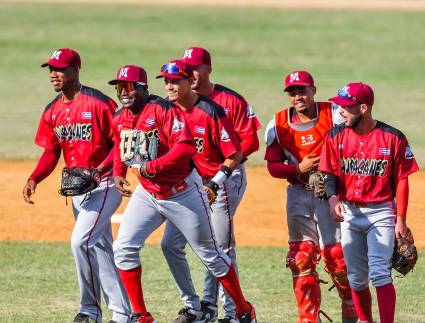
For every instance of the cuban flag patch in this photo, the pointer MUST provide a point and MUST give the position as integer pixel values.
(250, 112)
(384, 151)
(199, 130)
(177, 125)
(408, 154)
(150, 121)
(224, 135)
(86, 115)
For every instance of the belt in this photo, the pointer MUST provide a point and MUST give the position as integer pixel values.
(357, 204)
(171, 191)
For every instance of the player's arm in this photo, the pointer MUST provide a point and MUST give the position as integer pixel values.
(250, 145)
(45, 166)
(106, 121)
(180, 140)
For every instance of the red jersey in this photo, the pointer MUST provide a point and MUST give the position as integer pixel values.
(214, 137)
(82, 128)
(164, 125)
(367, 165)
(239, 113)
(294, 140)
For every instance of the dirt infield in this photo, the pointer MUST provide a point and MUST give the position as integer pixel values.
(260, 219)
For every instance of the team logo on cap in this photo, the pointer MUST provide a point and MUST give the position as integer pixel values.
(294, 77)
(56, 55)
(177, 125)
(224, 135)
(188, 53)
(408, 154)
(123, 72)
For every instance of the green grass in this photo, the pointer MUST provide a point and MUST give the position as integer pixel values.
(39, 285)
(252, 50)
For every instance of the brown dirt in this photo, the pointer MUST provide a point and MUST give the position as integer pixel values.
(260, 219)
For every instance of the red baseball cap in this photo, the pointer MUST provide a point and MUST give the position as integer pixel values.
(354, 93)
(197, 56)
(300, 78)
(63, 58)
(176, 69)
(131, 73)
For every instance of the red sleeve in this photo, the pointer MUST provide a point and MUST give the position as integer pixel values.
(106, 126)
(404, 160)
(243, 119)
(46, 164)
(180, 140)
(276, 163)
(119, 168)
(250, 144)
(225, 138)
(45, 136)
(402, 196)
(329, 157)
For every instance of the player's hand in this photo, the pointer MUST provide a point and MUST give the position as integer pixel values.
(401, 227)
(120, 182)
(336, 208)
(29, 189)
(309, 163)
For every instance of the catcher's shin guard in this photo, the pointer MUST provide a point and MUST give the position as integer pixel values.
(302, 259)
(337, 270)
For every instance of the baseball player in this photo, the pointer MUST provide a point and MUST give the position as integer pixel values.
(367, 164)
(245, 124)
(170, 189)
(79, 123)
(294, 139)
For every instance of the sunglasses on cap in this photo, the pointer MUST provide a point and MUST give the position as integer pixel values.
(343, 93)
(171, 68)
(127, 86)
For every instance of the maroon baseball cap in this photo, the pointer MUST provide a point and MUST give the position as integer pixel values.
(176, 69)
(63, 58)
(300, 78)
(197, 56)
(354, 93)
(131, 73)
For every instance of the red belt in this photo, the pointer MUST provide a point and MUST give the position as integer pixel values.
(171, 191)
(357, 204)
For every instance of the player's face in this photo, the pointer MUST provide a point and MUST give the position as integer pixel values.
(63, 78)
(178, 89)
(301, 97)
(201, 74)
(129, 94)
(352, 115)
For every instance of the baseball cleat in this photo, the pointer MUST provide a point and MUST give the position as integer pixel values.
(188, 315)
(83, 318)
(138, 318)
(249, 317)
(209, 312)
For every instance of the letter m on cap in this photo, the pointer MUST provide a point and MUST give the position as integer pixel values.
(188, 53)
(123, 72)
(294, 77)
(56, 54)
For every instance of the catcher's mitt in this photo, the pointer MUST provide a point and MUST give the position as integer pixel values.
(211, 188)
(316, 183)
(77, 181)
(405, 254)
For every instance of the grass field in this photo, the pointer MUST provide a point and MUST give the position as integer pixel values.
(252, 50)
(39, 285)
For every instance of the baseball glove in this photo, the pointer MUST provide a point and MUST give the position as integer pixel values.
(134, 148)
(211, 188)
(316, 183)
(78, 180)
(405, 254)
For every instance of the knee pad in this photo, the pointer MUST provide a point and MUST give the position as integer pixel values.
(336, 268)
(302, 258)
